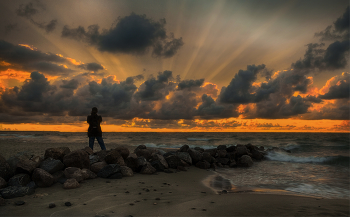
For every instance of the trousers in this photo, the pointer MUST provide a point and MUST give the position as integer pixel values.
(99, 140)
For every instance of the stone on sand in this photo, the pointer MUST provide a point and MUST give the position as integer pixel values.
(96, 167)
(21, 179)
(71, 184)
(51, 165)
(42, 178)
(56, 153)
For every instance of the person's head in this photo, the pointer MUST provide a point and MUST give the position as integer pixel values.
(94, 110)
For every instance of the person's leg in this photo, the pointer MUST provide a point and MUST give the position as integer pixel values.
(91, 142)
(100, 141)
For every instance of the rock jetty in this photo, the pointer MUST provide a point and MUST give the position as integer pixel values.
(21, 174)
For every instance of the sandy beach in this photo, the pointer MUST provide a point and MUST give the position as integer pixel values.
(175, 194)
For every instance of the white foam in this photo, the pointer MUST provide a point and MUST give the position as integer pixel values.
(279, 156)
(320, 190)
(291, 146)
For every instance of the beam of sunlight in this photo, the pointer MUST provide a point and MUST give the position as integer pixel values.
(253, 38)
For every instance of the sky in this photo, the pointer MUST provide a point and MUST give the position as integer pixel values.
(175, 65)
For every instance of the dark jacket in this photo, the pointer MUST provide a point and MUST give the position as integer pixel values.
(94, 121)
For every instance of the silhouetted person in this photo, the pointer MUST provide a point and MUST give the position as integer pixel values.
(94, 130)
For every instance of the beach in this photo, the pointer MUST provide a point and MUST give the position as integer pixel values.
(174, 194)
(195, 192)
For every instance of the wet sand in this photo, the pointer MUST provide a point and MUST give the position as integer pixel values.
(164, 194)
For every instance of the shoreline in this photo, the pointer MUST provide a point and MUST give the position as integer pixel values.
(175, 194)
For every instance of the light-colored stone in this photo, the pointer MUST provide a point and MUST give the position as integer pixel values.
(71, 184)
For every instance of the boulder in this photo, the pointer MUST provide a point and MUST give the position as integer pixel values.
(71, 184)
(160, 151)
(245, 161)
(184, 148)
(141, 161)
(232, 163)
(195, 155)
(203, 164)
(15, 191)
(3, 183)
(160, 158)
(199, 149)
(88, 150)
(169, 153)
(32, 185)
(185, 157)
(101, 154)
(5, 169)
(96, 167)
(37, 159)
(241, 150)
(126, 171)
(158, 165)
(231, 149)
(146, 153)
(78, 158)
(173, 161)
(221, 153)
(88, 174)
(57, 176)
(257, 155)
(51, 165)
(26, 166)
(114, 157)
(148, 169)
(21, 179)
(115, 176)
(93, 159)
(74, 173)
(207, 157)
(140, 147)
(109, 170)
(56, 153)
(131, 162)
(42, 178)
(211, 151)
(123, 151)
(221, 147)
(222, 160)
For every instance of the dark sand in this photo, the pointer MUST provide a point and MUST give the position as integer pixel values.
(185, 196)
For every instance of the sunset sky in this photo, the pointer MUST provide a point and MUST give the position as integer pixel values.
(196, 65)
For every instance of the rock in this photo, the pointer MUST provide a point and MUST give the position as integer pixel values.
(93, 159)
(207, 157)
(161, 159)
(51, 165)
(19, 203)
(201, 150)
(232, 163)
(126, 171)
(109, 170)
(71, 184)
(195, 155)
(141, 161)
(115, 176)
(88, 150)
(148, 169)
(56, 153)
(140, 147)
(185, 157)
(169, 153)
(37, 160)
(57, 175)
(131, 162)
(211, 151)
(173, 161)
(143, 153)
(74, 173)
(3, 183)
(21, 179)
(62, 180)
(25, 166)
(123, 151)
(15, 191)
(161, 152)
(32, 185)
(221, 153)
(231, 149)
(78, 158)
(184, 148)
(241, 150)
(101, 154)
(158, 165)
(42, 178)
(181, 168)
(257, 155)
(52, 205)
(223, 161)
(203, 164)
(168, 171)
(96, 167)
(245, 161)
(88, 174)
(68, 204)
(221, 147)
(114, 157)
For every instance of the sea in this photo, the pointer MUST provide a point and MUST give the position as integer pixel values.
(307, 164)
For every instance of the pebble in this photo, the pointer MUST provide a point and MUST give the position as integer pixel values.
(212, 202)
(127, 192)
(224, 191)
(154, 189)
(204, 210)
(139, 192)
(203, 192)
(147, 190)
(108, 181)
(84, 204)
(193, 208)
(154, 203)
(19, 203)
(52, 205)
(67, 204)
(131, 204)
(157, 198)
(170, 192)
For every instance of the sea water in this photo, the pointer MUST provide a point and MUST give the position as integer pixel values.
(312, 164)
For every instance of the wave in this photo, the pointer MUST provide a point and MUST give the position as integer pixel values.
(332, 160)
(320, 190)
(199, 139)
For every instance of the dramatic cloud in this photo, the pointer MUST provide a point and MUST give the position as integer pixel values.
(29, 10)
(339, 91)
(133, 34)
(91, 67)
(23, 58)
(190, 84)
(10, 27)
